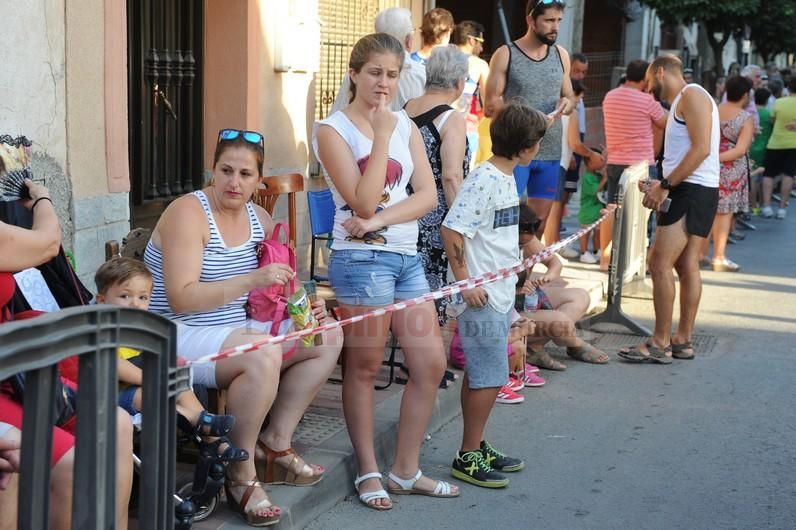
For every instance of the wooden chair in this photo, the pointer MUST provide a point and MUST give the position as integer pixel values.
(274, 186)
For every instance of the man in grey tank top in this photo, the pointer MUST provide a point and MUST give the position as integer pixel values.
(536, 69)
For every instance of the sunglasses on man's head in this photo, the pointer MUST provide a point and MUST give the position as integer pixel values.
(252, 137)
(547, 3)
(477, 39)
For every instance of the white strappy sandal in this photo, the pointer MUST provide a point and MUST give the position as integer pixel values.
(366, 498)
(407, 487)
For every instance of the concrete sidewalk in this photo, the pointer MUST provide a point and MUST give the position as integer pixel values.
(321, 437)
(706, 443)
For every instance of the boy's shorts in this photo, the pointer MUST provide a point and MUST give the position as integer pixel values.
(485, 338)
(541, 179)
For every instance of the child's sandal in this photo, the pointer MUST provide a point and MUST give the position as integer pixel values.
(214, 424)
(230, 453)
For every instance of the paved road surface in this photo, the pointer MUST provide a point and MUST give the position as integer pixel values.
(709, 443)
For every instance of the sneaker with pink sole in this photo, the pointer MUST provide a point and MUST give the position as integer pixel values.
(531, 369)
(515, 383)
(507, 395)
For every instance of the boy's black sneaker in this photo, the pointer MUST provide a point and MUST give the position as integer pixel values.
(497, 460)
(472, 467)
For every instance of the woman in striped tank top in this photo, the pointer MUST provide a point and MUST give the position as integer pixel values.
(203, 261)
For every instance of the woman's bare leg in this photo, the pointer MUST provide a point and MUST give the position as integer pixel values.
(419, 335)
(571, 301)
(364, 352)
(303, 375)
(61, 478)
(251, 381)
(721, 230)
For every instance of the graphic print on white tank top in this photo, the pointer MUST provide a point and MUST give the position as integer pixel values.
(400, 238)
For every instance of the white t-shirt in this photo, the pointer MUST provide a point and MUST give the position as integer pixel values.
(400, 238)
(487, 212)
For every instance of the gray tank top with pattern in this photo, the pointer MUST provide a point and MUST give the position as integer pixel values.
(539, 84)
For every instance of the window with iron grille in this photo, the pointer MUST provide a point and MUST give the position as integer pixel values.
(343, 22)
(598, 80)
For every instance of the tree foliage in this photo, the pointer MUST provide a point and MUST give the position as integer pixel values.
(721, 19)
(774, 28)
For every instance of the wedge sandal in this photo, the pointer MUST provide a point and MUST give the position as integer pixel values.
(272, 471)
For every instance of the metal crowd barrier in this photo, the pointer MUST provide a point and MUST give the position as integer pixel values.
(628, 250)
(94, 333)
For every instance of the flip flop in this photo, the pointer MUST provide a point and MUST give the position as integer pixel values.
(683, 351)
(653, 354)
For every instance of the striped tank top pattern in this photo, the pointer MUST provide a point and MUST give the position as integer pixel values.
(219, 262)
(539, 84)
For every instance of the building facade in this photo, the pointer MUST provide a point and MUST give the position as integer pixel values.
(124, 100)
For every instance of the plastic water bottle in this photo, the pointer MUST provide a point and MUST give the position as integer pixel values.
(531, 301)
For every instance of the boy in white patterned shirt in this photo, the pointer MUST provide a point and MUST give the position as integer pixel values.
(480, 234)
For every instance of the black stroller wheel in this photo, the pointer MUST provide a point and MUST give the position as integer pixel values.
(203, 509)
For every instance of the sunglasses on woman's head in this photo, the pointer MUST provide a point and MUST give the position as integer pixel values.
(252, 137)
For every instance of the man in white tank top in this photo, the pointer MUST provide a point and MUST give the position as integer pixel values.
(690, 181)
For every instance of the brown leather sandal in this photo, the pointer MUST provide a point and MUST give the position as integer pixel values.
(251, 516)
(273, 472)
(588, 354)
(542, 359)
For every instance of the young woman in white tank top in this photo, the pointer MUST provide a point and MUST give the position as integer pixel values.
(370, 155)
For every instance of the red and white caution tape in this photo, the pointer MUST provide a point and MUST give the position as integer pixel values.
(448, 290)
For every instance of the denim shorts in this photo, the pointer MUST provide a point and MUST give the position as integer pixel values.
(484, 334)
(375, 277)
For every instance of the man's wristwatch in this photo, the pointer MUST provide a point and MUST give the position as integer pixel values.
(665, 184)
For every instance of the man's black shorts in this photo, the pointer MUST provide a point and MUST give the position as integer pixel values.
(697, 203)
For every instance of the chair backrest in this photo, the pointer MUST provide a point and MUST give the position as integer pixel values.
(133, 245)
(321, 206)
(272, 188)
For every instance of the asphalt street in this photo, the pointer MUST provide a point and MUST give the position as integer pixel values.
(707, 443)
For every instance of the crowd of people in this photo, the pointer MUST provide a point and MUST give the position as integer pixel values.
(441, 167)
